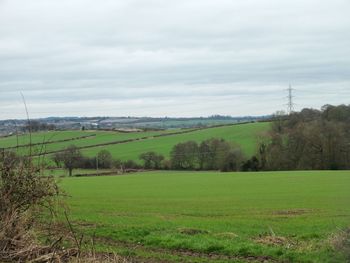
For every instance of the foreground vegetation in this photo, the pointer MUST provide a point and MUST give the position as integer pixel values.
(209, 216)
(31, 225)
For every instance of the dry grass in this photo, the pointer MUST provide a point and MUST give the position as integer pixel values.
(340, 241)
(272, 240)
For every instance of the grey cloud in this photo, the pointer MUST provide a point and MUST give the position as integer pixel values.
(138, 54)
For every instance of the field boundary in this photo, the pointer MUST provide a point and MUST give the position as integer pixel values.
(112, 173)
(49, 142)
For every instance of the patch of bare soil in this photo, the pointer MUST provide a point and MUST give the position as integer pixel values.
(192, 231)
(272, 240)
(291, 212)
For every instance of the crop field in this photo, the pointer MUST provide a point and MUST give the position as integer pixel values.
(215, 217)
(245, 135)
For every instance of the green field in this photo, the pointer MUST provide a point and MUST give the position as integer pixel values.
(53, 136)
(245, 135)
(215, 217)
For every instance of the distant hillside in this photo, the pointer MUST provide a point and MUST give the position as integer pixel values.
(130, 145)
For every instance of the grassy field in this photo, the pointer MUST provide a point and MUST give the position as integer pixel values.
(215, 217)
(97, 137)
(245, 135)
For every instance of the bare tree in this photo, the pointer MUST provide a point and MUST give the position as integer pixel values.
(71, 158)
(104, 159)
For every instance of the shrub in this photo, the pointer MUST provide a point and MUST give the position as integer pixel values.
(23, 195)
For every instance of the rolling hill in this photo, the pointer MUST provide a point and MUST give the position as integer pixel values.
(130, 145)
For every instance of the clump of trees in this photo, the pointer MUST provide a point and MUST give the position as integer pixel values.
(185, 156)
(310, 139)
(152, 160)
(211, 154)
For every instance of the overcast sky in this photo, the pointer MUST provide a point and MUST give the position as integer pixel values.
(171, 58)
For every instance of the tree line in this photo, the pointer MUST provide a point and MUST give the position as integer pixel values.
(212, 154)
(308, 140)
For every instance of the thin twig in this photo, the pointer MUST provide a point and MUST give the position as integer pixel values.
(29, 125)
(72, 232)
